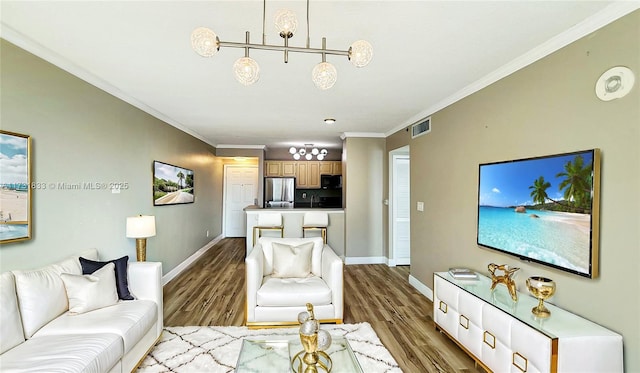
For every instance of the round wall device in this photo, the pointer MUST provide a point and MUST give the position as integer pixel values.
(615, 83)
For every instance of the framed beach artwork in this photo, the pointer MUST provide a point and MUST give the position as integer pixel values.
(543, 210)
(15, 182)
(172, 185)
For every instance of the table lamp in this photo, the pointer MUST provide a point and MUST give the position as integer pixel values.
(140, 227)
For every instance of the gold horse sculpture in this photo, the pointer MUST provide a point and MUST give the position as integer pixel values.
(505, 278)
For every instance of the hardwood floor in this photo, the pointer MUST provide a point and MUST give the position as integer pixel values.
(211, 292)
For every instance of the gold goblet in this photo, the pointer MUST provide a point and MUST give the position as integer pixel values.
(541, 288)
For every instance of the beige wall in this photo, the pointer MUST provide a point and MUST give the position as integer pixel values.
(546, 108)
(82, 134)
(363, 196)
(393, 142)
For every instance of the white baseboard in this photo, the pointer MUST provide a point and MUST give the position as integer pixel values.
(422, 288)
(190, 260)
(365, 260)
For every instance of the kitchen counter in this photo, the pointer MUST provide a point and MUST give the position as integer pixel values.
(292, 220)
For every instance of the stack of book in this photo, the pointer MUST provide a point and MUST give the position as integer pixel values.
(463, 274)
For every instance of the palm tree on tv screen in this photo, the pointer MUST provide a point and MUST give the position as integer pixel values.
(577, 183)
(539, 192)
(180, 176)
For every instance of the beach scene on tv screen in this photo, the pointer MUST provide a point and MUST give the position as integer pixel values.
(539, 209)
(171, 184)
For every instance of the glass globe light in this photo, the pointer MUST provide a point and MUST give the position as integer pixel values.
(286, 23)
(302, 151)
(324, 152)
(315, 151)
(360, 53)
(296, 156)
(308, 156)
(320, 157)
(246, 70)
(292, 150)
(205, 42)
(324, 75)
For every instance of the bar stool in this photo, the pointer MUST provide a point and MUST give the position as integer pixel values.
(315, 220)
(270, 221)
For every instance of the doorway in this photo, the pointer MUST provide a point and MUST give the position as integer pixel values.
(240, 191)
(400, 207)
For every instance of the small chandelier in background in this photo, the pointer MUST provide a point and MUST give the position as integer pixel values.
(308, 154)
(247, 71)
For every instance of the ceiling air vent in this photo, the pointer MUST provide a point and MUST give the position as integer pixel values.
(421, 128)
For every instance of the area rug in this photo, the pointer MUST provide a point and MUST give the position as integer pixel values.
(216, 348)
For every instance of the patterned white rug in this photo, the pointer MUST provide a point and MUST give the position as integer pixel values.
(216, 348)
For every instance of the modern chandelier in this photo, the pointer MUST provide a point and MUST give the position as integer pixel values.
(247, 71)
(308, 154)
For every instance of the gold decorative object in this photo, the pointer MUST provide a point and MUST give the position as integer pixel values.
(504, 278)
(312, 359)
(541, 288)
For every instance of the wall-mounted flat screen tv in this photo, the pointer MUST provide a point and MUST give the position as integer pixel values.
(543, 210)
(172, 185)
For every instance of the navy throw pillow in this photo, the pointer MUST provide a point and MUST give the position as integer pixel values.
(122, 285)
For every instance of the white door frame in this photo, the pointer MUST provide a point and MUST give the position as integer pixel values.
(404, 152)
(224, 190)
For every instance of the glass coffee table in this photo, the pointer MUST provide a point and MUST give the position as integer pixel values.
(274, 356)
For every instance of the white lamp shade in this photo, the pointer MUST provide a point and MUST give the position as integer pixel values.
(141, 226)
(324, 75)
(246, 70)
(293, 150)
(286, 22)
(205, 42)
(360, 53)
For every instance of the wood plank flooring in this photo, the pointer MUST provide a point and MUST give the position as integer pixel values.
(211, 292)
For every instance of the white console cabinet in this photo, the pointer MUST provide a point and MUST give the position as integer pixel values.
(504, 336)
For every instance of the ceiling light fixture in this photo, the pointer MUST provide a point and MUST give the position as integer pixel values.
(329, 121)
(308, 155)
(247, 71)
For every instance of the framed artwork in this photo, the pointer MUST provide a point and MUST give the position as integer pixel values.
(172, 185)
(15, 187)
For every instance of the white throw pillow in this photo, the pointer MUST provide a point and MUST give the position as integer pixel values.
(291, 261)
(89, 292)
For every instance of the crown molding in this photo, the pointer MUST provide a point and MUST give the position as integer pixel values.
(19, 39)
(613, 12)
(232, 146)
(344, 135)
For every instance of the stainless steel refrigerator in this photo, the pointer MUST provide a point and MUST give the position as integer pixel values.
(279, 192)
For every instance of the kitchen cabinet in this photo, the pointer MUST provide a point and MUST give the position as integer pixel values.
(503, 336)
(308, 175)
(280, 168)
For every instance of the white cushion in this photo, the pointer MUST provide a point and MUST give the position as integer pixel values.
(130, 319)
(90, 292)
(315, 219)
(277, 292)
(269, 219)
(316, 253)
(10, 322)
(292, 261)
(64, 353)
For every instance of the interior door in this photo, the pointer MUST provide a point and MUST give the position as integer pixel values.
(241, 190)
(401, 211)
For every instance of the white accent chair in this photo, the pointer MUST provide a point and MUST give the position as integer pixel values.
(315, 220)
(278, 301)
(271, 221)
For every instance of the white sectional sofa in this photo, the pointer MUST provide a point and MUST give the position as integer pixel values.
(39, 334)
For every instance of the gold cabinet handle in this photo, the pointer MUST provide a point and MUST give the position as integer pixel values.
(518, 361)
(466, 321)
(443, 307)
(489, 339)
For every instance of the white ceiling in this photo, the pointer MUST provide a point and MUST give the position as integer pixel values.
(427, 54)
